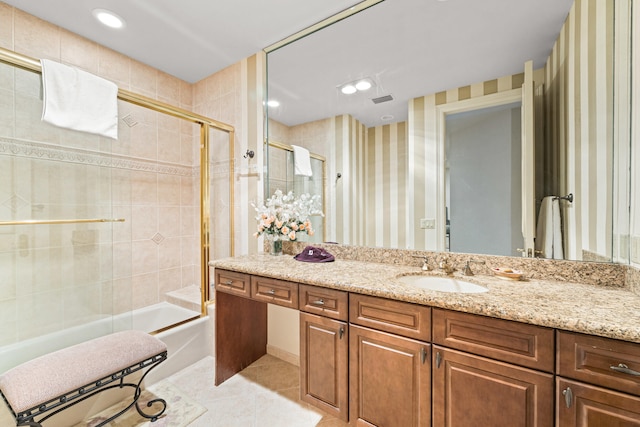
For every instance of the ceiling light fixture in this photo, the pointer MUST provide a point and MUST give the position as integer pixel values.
(108, 18)
(359, 85)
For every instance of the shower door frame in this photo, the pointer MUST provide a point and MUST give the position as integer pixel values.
(31, 64)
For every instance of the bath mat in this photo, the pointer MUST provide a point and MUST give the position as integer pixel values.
(181, 410)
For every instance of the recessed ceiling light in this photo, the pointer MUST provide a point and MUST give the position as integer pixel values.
(108, 18)
(386, 117)
(363, 85)
(273, 103)
(348, 89)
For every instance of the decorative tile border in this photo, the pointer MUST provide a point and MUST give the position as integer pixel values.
(44, 151)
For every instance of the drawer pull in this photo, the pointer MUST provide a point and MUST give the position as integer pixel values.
(423, 355)
(438, 359)
(341, 331)
(568, 396)
(624, 369)
(228, 282)
(318, 302)
(271, 292)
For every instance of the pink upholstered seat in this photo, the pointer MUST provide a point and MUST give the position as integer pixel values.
(55, 374)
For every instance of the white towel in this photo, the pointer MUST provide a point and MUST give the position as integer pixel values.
(75, 99)
(301, 161)
(549, 229)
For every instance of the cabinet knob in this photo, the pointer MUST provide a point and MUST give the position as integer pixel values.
(271, 292)
(423, 355)
(568, 396)
(318, 302)
(624, 369)
(341, 331)
(438, 359)
(228, 282)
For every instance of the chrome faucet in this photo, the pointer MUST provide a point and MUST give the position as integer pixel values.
(467, 268)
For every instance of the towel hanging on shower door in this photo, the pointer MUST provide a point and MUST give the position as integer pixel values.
(301, 161)
(77, 100)
(549, 229)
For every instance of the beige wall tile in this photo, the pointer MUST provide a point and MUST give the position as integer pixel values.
(169, 256)
(168, 89)
(145, 257)
(144, 79)
(6, 26)
(169, 189)
(169, 280)
(79, 52)
(35, 37)
(114, 66)
(144, 222)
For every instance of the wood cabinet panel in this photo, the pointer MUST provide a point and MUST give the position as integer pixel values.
(274, 291)
(513, 342)
(396, 317)
(470, 390)
(583, 405)
(233, 283)
(389, 379)
(241, 334)
(324, 352)
(602, 361)
(325, 302)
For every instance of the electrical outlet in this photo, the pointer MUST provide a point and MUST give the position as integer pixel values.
(428, 223)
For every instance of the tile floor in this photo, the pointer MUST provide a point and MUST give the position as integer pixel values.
(264, 394)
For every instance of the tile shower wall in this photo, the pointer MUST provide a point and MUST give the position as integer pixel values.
(69, 274)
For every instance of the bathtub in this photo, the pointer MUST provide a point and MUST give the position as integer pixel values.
(186, 343)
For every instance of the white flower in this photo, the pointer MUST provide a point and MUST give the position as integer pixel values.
(284, 216)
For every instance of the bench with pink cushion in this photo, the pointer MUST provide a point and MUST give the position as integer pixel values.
(49, 384)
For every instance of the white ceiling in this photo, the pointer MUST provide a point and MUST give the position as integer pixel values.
(410, 47)
(189, 39)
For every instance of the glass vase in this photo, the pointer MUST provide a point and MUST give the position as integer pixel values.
(275, 247)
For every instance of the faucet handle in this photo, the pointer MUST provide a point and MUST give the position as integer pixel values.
(425, 264)
(467, 267)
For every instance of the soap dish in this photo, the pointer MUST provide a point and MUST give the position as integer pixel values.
(507, 273)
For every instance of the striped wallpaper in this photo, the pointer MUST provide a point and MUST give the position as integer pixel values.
(579, 115)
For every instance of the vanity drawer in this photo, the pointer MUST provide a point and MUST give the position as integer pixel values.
(233, 283)
(514, 342)
(274, 291)
(592, 359)
(324, 302)
(396, 317)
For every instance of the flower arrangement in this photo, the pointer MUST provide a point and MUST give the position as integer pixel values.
(285, 216)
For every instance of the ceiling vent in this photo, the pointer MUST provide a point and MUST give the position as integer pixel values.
(381, 99)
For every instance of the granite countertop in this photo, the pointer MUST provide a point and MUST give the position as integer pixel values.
(591, 309)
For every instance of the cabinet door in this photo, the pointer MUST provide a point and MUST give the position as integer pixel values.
(324, 352)
(471, 390)
(584, 405)
(389, 379)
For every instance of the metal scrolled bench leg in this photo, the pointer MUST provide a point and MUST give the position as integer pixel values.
(71, 376)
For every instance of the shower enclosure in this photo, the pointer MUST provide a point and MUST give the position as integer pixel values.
(94, 230)
(282, 177)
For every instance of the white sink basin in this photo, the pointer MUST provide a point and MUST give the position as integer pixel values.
(442, 284)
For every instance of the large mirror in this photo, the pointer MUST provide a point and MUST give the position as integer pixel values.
(392, 151)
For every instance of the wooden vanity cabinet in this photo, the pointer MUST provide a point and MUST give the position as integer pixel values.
(389, 366)
(484, 377)
(324, 363)
(598, 381)
(324, 350)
